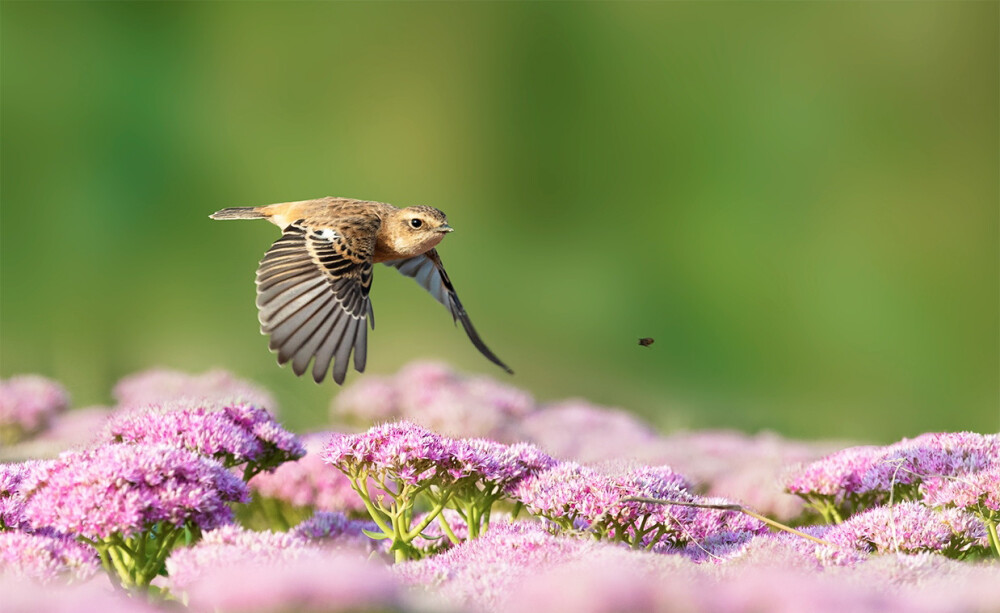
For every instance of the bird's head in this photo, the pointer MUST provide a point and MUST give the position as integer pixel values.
(417, 229)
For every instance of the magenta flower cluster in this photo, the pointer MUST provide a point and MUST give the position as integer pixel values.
(606, 502)
(125, 489)
(956, 472)
(911, 527)
(975, 490)
(28, 403)
(234, 433)
(11, 496)
(861, 477)
(406, 461)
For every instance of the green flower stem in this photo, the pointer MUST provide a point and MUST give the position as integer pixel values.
(991, 527)
(359, 483)
(122, 569)
(660, 531)
(473, 521)
(486, 517)
(168, 538)
(102, 552)
(448, 531)
(518, 506)
(118, 541)
(640, 532)
(431, 516)
(826, 507)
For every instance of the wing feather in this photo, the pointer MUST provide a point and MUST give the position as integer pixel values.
(312, 294)
(429, 272)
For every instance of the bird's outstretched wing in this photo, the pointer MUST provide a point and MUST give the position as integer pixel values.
(312, 294)
(429, 272)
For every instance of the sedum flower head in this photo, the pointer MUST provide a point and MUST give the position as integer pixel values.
(125, 489)
(495, 464)
(570, 492)
(978, 490)
(839, 473)
(931, 455)
(910, 527)
(880, 470)
(11, 495)
(27, 405)
(234, 433)
(406, 451)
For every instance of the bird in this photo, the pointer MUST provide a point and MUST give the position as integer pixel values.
(313, 283)
(646, 342)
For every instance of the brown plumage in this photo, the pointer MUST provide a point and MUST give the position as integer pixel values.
(313, 283)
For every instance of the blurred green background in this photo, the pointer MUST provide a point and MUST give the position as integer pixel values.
(798, 201)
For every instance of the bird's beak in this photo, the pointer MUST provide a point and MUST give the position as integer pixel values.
(445, 228)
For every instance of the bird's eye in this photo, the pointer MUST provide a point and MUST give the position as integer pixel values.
(416, 223)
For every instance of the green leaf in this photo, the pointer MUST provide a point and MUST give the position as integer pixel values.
(378, 536)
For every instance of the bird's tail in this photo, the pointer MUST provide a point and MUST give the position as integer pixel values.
(238, 212)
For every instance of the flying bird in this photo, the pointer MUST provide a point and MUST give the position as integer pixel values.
(313, 283)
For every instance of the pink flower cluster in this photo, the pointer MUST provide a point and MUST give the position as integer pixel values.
(11, 496)
(944, 467)
(27, 405)
(975, 490)
(603, 502)
(910, 527)
(125, 489)
(234, 433)
(409, 454)
(407, 462)
(936, 454)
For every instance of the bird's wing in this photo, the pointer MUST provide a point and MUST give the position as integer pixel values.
(429, 272)
(312, 294)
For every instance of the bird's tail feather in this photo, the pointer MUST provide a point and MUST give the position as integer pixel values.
(238, 212)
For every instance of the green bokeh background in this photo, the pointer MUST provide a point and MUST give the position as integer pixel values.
(798, 201)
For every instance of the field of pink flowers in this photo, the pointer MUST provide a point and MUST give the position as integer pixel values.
(433, 491)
